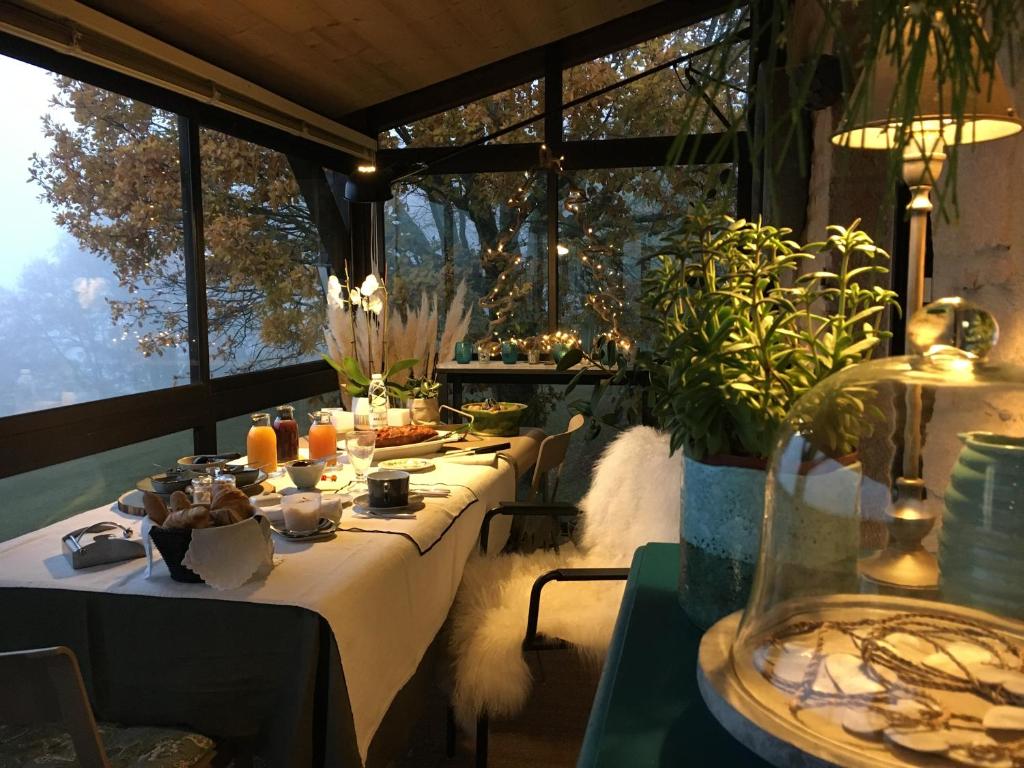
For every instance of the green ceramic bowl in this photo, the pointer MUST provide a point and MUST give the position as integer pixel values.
(495, 423)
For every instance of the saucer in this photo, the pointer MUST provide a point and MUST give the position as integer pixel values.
(324, 529)
(407, 465)
(361, 504)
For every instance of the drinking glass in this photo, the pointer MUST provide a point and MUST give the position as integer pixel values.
(360, 447)
(463, 352)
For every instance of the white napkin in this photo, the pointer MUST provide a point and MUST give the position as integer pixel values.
(227, 556)
(474, 459)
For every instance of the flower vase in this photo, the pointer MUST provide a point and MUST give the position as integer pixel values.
(720, 530)
(981, 544)
(425, 410)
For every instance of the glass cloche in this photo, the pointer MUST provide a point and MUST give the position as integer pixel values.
(886, 621)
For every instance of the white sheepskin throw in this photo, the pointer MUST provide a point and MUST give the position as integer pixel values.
(633, 499)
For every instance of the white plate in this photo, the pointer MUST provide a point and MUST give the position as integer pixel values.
(407, 465)
(361, 504)
(324, 528)
(425, 448)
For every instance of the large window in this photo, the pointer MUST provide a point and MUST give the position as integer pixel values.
(91, 277)
(613, 221)
(442, 230)
(654, 105)
(475, 120)
(266, 268)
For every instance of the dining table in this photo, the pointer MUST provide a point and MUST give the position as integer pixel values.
(309, 664)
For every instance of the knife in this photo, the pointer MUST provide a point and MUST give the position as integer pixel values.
(482, 449)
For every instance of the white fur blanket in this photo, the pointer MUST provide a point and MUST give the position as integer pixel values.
(633, 499)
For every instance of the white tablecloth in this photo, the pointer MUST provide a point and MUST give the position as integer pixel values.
(383, 599)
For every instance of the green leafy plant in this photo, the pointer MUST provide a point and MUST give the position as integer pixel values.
(424, 388)
(745, 322)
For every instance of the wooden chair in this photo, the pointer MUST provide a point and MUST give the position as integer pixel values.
(550, 458)
(45, 719)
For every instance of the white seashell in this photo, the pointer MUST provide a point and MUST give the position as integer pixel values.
(989, 675)
(791, 667)
(969, 653)
(1004, 719)
(864, 722)
(930, 742)
(910, 647)
(847, 672)
(1014, 683)
(942, 663)
(823, 683)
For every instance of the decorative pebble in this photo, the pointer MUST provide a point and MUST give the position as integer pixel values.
(989, 675)
(929, 742)
(791, 667)
(909, 646)
(847, 672)
(864, 722)
(1014, 683)
(969, 653)
(942, 663)
(1004, 719)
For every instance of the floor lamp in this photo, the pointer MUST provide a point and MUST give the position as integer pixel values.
(904, 564)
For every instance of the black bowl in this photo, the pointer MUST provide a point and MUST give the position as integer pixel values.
(244, 475)
(169, 482)
(173, 544)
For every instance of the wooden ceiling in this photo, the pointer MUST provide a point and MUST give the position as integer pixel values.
(339, 56)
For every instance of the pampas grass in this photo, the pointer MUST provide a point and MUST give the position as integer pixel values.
(353, 332)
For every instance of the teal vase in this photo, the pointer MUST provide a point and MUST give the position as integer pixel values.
(981, 544)
(720, 534)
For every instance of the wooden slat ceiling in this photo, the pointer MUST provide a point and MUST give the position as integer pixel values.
(338, 56)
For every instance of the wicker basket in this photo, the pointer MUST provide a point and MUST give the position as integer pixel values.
(173, 543)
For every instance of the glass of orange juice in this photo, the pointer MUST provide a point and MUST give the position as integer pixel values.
(261, 444)
(323, 438)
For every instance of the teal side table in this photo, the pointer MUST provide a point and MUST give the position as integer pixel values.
(648, 711)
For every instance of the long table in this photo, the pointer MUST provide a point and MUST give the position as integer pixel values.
(302, 665)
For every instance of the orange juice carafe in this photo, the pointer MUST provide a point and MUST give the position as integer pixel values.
(261, 444)
(323, 438)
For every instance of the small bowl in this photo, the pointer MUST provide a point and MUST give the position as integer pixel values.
(169, 482)
(207, 461)
(306, 473)
(244, 474)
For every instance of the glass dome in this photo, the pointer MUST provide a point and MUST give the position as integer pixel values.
(886, 621)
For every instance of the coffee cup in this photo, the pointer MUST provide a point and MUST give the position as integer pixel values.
(388, 488)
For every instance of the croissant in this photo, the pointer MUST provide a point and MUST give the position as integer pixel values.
(180, 501)
(155, 507)
(194, 517)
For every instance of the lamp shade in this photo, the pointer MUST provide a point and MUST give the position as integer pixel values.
(988, 114)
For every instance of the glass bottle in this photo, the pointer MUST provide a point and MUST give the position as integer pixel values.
(261, 444)
(323, 438)
(378, 396)
(287, 431)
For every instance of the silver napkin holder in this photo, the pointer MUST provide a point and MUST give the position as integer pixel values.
(95, 545)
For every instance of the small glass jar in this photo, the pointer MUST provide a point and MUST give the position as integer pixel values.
(202, 489)
(509, 353)
(463, 352)
(220, 480)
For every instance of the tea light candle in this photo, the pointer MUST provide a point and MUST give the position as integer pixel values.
(399, 417)
(301, 511)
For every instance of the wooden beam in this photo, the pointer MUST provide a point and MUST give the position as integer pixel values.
(658, 19)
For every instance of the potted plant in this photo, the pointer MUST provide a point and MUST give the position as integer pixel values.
(423, 401)
(745, 321)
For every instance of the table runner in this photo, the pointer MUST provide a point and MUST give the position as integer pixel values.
(383, 601)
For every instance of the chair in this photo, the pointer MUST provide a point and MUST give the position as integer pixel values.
(633, 499)
(46, 720)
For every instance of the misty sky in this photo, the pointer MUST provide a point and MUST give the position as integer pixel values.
(29, 232)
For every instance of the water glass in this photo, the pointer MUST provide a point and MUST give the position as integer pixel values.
(463, 352)
(509, 353)
(202, 489)
(360, 447)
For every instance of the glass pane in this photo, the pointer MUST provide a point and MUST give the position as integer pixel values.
(612, 221)
(437, 233)
(33, 500)
(654, 105)
(473, 121)
(231, 433)
(266, 267)
(92, 291)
